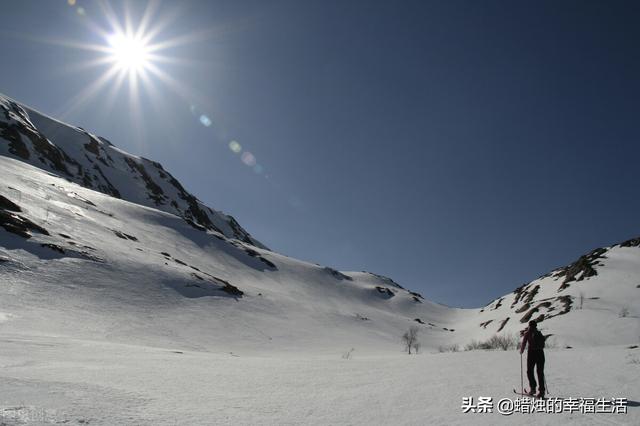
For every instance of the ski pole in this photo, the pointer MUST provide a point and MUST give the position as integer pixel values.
(521, 378)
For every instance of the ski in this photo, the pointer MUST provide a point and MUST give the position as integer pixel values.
(526, 394)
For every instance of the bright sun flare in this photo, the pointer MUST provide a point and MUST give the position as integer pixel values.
(132, 52)
(129, 53)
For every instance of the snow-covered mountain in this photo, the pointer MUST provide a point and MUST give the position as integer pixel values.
(93, 162)
(97, 243)
(126, 301)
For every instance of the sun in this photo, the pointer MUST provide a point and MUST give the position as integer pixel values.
(131, 52)
(128, 52)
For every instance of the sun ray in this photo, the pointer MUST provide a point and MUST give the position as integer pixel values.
(182, 90)
(131, 56)
(162, 23)
(79, 100)
(111, 97)
(94, 47)
(148, 14)
(111, 17)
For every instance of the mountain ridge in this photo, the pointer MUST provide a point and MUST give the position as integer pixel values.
(96, 163)
(134, 268)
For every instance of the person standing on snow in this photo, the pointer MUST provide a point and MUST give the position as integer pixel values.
(534, 340)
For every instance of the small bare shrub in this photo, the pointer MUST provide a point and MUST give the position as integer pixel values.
(348, 354)
(451, 348)
(410, 338)
(505, 342)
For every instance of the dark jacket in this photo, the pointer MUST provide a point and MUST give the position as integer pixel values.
(530, 341)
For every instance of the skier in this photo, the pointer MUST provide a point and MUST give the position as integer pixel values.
(535, 357)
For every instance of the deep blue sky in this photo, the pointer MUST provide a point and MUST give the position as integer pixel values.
(460, 147)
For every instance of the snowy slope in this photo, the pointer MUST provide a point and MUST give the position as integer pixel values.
(117, 247)
(118, 308)
(593, 301)
(95, 163)
(127, 272)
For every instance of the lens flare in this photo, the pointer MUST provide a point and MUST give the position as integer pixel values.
(205, 120)
(235, 147)
(248, 159)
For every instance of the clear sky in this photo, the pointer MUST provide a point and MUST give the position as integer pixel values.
(460, 147)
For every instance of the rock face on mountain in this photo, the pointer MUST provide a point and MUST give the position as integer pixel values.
(95, 163)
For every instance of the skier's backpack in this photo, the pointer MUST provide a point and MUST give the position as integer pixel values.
(538, 340)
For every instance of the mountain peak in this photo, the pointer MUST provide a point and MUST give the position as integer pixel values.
(96, 163)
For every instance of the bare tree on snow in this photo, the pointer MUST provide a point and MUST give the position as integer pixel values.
(410, 338)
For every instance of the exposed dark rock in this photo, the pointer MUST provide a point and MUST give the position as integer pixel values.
(529, 314)
(12, 133)
(337, 274)
(502, 324)
(232, 290)
(539, 318)
(93, 147)
(385, 291)
(19, 225)
(267, 262)
(251, 252)
(54, 247)
(416, 296)
(180, 262)
(531, 294)
(518, 292)
(124, 236)
(386, 280)
(7, 204)
(485, 324)
(419, 321)
(109, 189)
(157, 194)
(582, 268)
(498, 304)
(566, 302)
(195, 225)
(634, 242)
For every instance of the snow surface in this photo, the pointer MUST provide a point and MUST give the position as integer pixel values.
(56, 379)
(125, 314)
